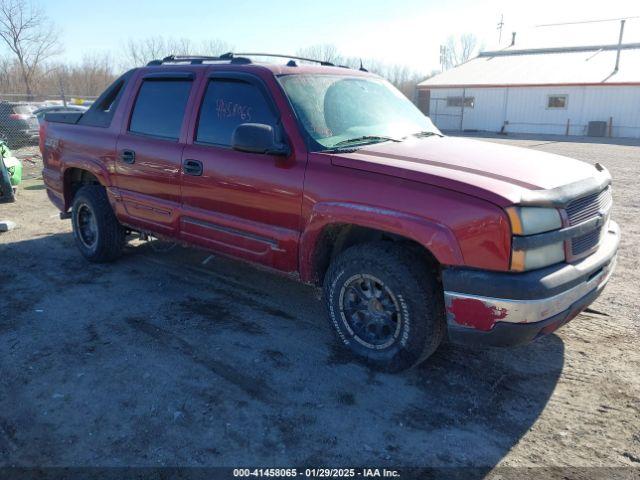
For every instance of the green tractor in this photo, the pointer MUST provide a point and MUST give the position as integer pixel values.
(10, 173)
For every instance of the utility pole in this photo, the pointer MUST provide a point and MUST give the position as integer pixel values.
(621, 20)
(619, 45)
(500, 25)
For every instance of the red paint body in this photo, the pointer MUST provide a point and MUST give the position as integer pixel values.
(447, 194)
(471, 312)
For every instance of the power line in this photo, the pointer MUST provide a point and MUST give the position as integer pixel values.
(586, 21)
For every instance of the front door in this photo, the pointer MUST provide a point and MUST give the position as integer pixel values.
(244, 204)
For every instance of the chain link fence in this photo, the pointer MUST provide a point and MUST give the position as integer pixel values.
(20, 115)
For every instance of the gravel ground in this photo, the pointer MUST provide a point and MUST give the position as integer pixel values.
(175, 358)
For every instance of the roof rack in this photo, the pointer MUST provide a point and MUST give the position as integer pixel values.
(198, 59)
(242, 59)
(278, 55)
(291, 58)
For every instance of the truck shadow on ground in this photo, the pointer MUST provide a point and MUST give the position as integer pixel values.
(180, 358)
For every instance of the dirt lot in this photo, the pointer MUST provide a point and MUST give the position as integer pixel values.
(175, 358)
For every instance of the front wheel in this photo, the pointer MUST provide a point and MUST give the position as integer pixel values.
(385, 304)
(96, 230)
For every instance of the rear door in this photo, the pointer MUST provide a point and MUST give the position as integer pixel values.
(244, 204)
(149, 150)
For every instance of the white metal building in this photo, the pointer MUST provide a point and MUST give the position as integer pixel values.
(550, 91)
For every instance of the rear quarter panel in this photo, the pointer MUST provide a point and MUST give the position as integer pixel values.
(65, 146)
(69, 146)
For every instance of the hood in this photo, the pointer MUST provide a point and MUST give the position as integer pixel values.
(502, 174)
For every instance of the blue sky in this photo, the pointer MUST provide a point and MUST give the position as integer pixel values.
(403, 31)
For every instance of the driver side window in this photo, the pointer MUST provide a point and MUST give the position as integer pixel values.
(228, 103)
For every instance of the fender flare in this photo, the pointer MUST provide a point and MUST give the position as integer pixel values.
(97, 169)
(432, 235)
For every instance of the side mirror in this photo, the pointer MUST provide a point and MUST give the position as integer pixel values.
(257, 138)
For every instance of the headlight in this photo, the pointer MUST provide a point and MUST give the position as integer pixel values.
(532, 220)
(539, 257)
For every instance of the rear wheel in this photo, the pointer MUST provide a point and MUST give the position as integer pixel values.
(98, 234)
(385, 304)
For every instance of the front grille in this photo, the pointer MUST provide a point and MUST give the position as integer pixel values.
(586, 208)
(582, 210)
(585, 242)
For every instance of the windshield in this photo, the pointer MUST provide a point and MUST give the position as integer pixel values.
(337, 110)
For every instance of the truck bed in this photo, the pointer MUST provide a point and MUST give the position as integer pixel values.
(63, 117)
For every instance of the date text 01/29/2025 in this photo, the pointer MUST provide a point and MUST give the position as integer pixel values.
(316, 473)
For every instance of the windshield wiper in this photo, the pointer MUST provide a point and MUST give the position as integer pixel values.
(365, 138)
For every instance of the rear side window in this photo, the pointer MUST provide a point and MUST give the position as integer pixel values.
(101, 112)
(160, 107)
(227, 104)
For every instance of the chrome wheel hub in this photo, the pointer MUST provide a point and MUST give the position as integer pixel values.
(370, 311)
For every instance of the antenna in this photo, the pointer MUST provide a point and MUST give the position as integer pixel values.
(500, 25)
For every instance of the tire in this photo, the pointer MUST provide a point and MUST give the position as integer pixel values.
(406, 320)
(97, 233)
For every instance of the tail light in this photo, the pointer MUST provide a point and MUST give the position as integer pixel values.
(41, 137)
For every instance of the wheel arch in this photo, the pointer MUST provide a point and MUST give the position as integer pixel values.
(334, 227)
(75, 176)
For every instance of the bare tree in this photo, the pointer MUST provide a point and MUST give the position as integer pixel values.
(459, 50)
(215, 47)
(325, 53)
(29, 35)
(93, 73)
(179, 46)
(401, 76)
(140, 52)
(90, 77)
(5, 70)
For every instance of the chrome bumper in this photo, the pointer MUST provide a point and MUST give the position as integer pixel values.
(530, 297)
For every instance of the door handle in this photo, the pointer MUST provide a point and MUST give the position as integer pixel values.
(128, 156)
(192, 167)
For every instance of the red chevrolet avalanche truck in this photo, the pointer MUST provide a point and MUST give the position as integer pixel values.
(331, 175)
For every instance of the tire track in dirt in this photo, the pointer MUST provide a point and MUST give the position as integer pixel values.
(255, 387)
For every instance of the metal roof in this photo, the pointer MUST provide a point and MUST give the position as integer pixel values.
(589, 65)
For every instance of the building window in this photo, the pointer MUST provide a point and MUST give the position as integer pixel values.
(469, 102)
(557, 101)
